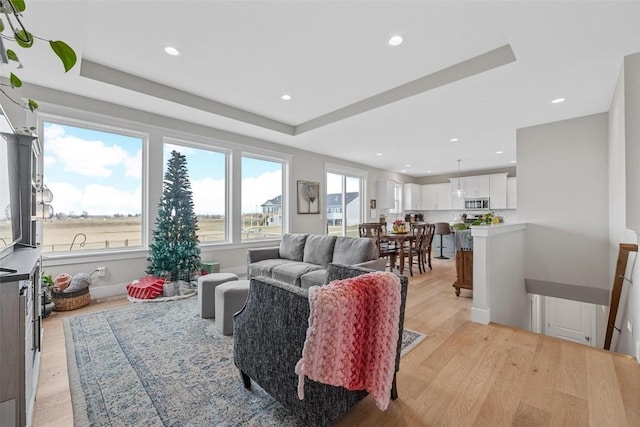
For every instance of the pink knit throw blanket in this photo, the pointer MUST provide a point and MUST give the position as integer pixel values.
(353, 335)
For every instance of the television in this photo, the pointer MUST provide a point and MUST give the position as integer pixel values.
(10, 215)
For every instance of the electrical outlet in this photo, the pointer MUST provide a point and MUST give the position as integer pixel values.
(101, 271)
(630, 327)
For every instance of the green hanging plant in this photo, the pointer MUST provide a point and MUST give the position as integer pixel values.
(12, 10)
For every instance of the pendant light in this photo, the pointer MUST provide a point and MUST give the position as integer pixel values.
(459, 191)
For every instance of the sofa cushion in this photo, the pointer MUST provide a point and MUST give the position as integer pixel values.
(318, 249)
(264, 267)
(292, 271)
(313, 278)
(354, 250)
(292, 246)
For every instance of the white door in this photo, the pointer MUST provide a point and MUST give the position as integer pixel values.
(570, 320)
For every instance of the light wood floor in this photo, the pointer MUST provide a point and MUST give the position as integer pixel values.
(463, 374)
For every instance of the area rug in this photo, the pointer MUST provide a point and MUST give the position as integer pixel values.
(162, 365)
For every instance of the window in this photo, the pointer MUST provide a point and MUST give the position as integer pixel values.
(95, 175)
(344, 201)
(397, 199)
(207, 174)
(262, 198)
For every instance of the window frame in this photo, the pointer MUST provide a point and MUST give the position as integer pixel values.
(154, 137)
(286, 205)
(228, 153)
(117, 127)
(397, 199)
(346, 172)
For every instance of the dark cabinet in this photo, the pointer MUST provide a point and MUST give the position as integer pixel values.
(464, 271)
(20, 336)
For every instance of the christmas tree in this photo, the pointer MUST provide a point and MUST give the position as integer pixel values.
(174, 252)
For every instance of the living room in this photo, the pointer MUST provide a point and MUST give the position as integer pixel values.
(573, 229)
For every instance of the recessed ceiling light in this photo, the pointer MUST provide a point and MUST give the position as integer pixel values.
(408, 166)
(378, 154)
(170, 50)
(454, 140)
(428, 171)
(558, 100)
(403, 170)
(499, 152)
(512, 161)
(286, 97)
(396, 40)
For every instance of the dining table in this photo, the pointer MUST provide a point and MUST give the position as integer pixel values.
(399, 239)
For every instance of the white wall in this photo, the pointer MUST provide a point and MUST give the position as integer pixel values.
(563, 198)
(499, 291)
(305, 165)
(631, 83)
(624, 141)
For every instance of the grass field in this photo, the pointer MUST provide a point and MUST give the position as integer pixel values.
(111, 232)
(96, 233)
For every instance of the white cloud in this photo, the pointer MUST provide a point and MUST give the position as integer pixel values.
(208, 196)
(168, 148)
(133, 165)
(49, 160)
(106, 200)
(208, 193)
(259, 189)
(66, 197)
(90, 158)
(95, 199)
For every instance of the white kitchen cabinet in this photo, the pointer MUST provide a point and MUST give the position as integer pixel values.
(386, 199)
(435, 197)
(477, 186)
(470, 186)
(428, 197)
(443, 196)
(498, 191)
(512, 193)
(484, 186)
(411, 196)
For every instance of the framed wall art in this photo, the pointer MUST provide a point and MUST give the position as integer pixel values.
(308, 197)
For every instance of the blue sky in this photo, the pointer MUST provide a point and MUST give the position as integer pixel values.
(100, 172)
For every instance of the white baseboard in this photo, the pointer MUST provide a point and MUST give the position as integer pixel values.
(481, 315)
(108, 291)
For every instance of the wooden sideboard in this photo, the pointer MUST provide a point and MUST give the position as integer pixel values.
(464, 270)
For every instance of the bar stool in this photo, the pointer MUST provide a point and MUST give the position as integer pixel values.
(442, 228)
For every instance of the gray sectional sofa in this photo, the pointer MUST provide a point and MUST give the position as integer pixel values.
(302, 259)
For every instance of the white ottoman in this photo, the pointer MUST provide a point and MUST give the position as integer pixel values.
(230, 298)
(206, 292)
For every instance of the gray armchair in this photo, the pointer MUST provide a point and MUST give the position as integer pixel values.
(269, 335)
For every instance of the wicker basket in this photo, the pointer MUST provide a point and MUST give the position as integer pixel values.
(66, 301)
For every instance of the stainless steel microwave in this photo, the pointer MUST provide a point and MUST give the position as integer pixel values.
(475, 204)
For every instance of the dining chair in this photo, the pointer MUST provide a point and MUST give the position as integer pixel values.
(414, 248)
(375, 230)
(428, 244)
